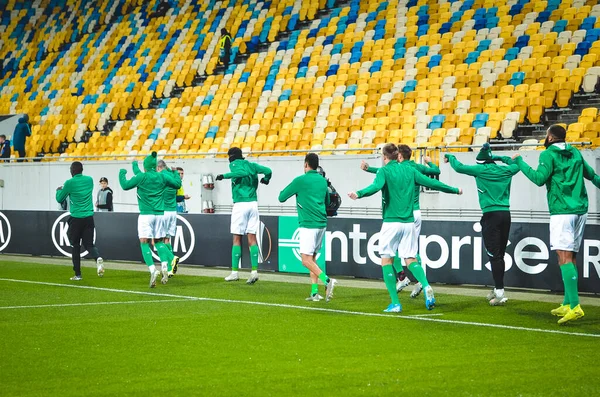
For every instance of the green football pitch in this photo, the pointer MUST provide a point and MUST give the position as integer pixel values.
(201, 336)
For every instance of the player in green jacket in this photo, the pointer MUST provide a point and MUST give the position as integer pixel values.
(150, 193)
(431, 169)
(396, 182)
(169, 217)
(312, 197)
(81, 223)
(244, 216)
(493, 187)
(563, 170)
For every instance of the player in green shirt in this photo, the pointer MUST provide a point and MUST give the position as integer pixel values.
(150, 193)
(493, 187)
(79, 190)
(169, 217)
(430, 169)
(396, 182)
(312, 197)
(563, 170)
(244, 215)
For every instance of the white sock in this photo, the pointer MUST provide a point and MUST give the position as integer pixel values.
(152, 269)
(163, 265)
(234, 272)
(499, 292)
(254, 272)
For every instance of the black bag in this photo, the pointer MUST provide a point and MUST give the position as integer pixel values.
(335, 200)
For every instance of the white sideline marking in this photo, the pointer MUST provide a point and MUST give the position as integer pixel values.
(311, 308)
(426, 315)
(90, 304)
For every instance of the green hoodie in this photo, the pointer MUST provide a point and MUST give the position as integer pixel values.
(562, 169)
(150, 187)
(397, 201)
(493, 182)
(312, 197)
(79, 190)
(429, 169)
(170, 194)
(244, 179)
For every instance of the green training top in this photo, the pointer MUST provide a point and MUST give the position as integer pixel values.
(79, 189)
(493, 182)
(562, 169)
(150, 189)
(312, 198)
(244, 179)
(170, 194)
(431, 169)
(398, 200)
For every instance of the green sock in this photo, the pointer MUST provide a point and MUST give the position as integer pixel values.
(315, 289)
(390, 282)
(397, 264)
(569, 276)
(163, 254)
(323, 277)
(254, 256)
(564, 272)
(171, 253)
(236, 254)
(417, 270)
(147, 254)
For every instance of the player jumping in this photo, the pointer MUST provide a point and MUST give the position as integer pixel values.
(244, 216)
(150, 193)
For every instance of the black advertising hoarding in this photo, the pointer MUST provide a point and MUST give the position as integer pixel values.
(452, 251)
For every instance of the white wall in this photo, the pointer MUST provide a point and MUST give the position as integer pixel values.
(31, 186)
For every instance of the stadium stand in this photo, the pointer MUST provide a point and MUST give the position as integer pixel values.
(106, 78)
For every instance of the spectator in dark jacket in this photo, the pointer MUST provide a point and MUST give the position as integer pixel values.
(104, 200)
(225, 47)
(4, 148)
(22, 131)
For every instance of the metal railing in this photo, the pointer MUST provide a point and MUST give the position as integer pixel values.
(365, 151)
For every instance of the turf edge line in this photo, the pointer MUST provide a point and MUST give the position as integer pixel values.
(288, 306)
(90, 304)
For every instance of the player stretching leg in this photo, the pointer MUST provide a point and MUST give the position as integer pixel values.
(431, 168)
(244, 216)
(493, 187)
(312, 197)
(395, 181)
(562, 169)
(81, 223)
(150, 193)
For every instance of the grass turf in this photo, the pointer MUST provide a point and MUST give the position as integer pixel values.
(222, 348)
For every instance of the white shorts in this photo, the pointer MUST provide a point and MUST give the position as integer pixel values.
(244, 218)
(566, 232)
(150, 226)
(311, 240)
(170, 223)
(417, 216)
(397, 237)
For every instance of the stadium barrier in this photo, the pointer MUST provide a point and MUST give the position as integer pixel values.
(452, 252)
(422, 150)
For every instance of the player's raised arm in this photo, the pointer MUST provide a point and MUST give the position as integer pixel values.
(472, 170)
(590, 174)
(266, 171)
(128, 184)
(373, 188)
(434, 184)
(172, 179)
(366, 167)
(136, 167)
(543, 172)
(430, 169)
(289, 191)
(235, 172)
